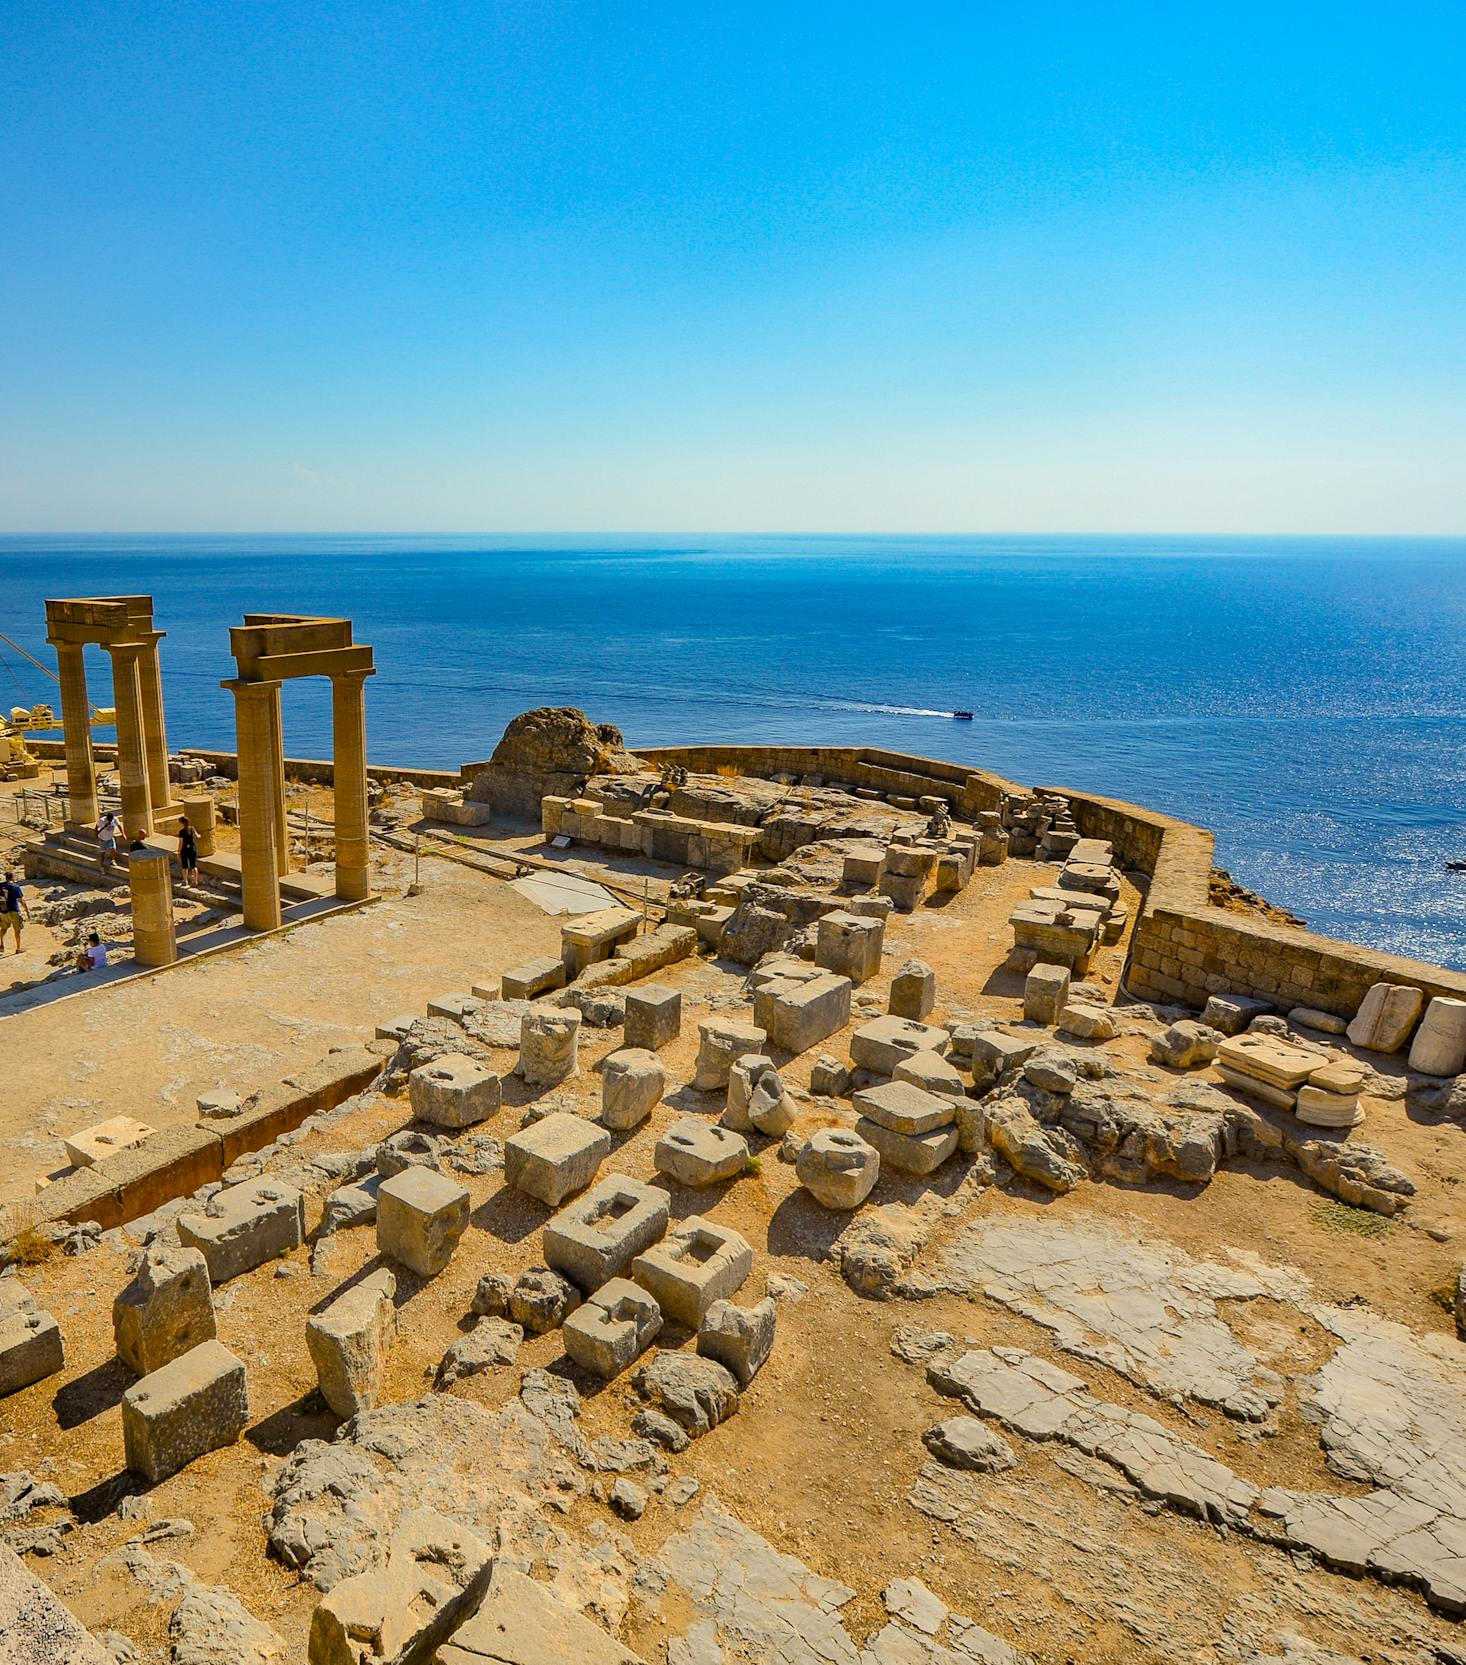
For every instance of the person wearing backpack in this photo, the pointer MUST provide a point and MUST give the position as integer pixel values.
(12, 904)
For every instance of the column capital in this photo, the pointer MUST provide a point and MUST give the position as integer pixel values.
(243, 687)
(354, 676)
(132, 646)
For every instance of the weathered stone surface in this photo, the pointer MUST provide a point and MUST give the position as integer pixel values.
(964, 1442)
(421, 1215)
(243, 1226)
(166, 1309)
(909, 1153)
(720, 1042)
(828, 1077)
(1041, 1402)
(632, 1083)
(30, 1339)
(612, 1329)
(838, 1168)
(437, 1571)
(597, 1236)
(1231, 1013)
(1044, 1155)
(693, 1153)
(904, 1108)
(850, 945)
(1045, 993)
(1439, 1047)
(739, 1338)
(882, 1043)
(931, 1074)
(412, 1147)
(803, 1007)
(210, 1626)
(555, 1157)
(697, 1393)
(743, 1080)
(1144, 1309)
(1087, 1022)
(521, 1623)
(910, 1600)
(348, 1341)
(697, 1263)
(653, 1017)
(454, 1090)
(877, 1248)
(1309, 1017)
(195, 1403)
(548, 1042)
(35, 1629)
(994, 1052)
(1051, 1070)
(1185, 1045)
(489, 1345)
(541, 1299)
(1386, 1017)
(913, 991)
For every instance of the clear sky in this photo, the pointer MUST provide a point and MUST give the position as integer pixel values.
(529, 264)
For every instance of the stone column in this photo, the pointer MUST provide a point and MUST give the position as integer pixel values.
(277, 788)
(155, 735)
(199, 812)
(254, 706)
(348, 733)
(76, 729)
(153, 938)
(132, 763)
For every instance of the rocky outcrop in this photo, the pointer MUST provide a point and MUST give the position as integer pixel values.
(552, 750)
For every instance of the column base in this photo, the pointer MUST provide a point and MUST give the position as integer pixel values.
(353, 884)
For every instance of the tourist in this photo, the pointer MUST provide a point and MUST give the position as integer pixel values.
(107, 832)
(12, 902)
(188, 852)
(94, 956)
(139, 842)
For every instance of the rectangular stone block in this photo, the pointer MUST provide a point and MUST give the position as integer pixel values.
(245, 1225)
(593, 936)
(797, 1014)
(920, 1153)
(612, 1329)
(850, 946)
(862, 865)
(553, 1158)
(348, 1340)
(697, 1263)
(1045, 993)
(521, 1623)
(653, 1017)
(455, 1005)
(30, 1339)
(524, 982)
(197, 1403)
(105, 1139)
(420, 1217)
(904, 1108)
(881, 1044)
(596, 1237)
(166, 1310)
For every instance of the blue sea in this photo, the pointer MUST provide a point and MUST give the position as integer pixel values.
(1303, 697)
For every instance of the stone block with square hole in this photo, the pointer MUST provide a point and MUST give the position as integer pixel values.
(454, 1090)
(694, 1152)
(243, 1226)
(653, 1017)
(696, 1263)
(838, 1168)
(596, 1237)
(421, 1215)
(196, 1403)
(850, 945)
(614, 1327)
(800, 1010)
(555, 1157)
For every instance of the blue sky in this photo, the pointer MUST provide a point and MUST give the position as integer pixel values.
(516, 266)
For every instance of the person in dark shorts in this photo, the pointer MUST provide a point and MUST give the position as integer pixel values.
(188, 852)
(12, 904)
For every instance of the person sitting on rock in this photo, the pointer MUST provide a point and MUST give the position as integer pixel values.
(93, 956)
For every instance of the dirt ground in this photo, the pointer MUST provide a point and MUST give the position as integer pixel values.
(827, 1444)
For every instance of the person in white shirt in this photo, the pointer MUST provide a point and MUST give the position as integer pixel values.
(108, 829)
(94, 956)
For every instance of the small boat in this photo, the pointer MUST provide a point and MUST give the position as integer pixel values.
(962, 716)
(1456, 867)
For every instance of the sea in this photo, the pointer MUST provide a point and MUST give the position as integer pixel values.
(1303, 697)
